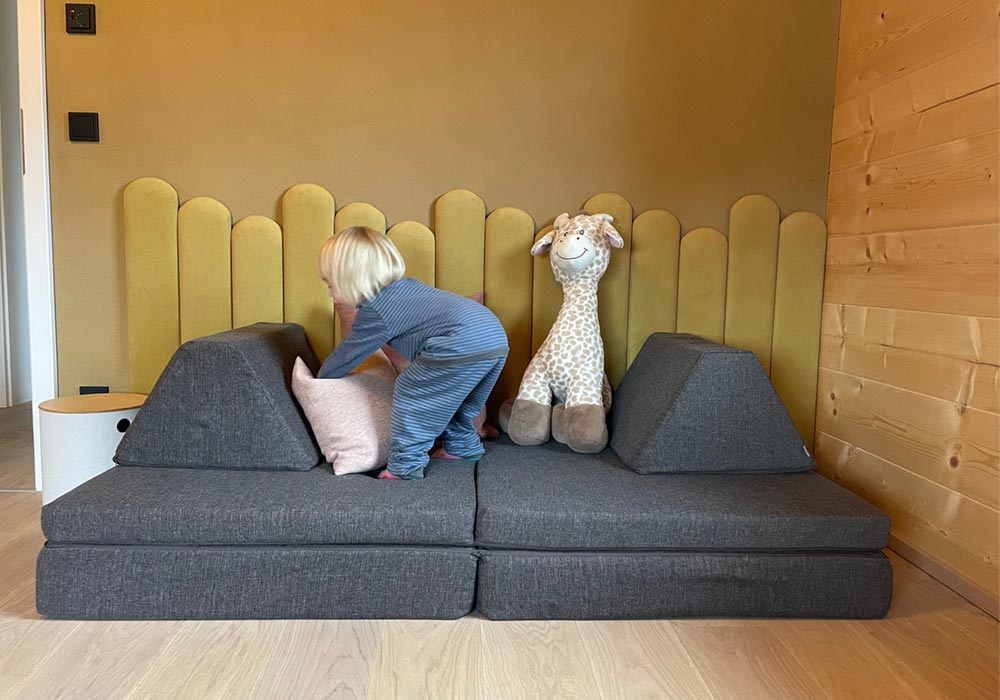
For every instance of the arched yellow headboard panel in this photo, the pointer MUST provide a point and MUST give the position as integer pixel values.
(204, 261)
(701, 284)
(152, 300)
(190, 272)
(307, 221)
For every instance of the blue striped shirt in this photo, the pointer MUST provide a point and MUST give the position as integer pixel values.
(418, 320)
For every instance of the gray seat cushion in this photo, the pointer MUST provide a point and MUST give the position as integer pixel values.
(548, 497)
(88, 582)
(525, 585)
(687, 404)
(225, 401)
(136, 505)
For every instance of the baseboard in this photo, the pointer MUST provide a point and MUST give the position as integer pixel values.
(983, 600)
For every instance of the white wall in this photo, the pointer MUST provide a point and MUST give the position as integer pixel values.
(16, 272)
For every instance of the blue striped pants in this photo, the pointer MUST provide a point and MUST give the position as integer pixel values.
(432, 401)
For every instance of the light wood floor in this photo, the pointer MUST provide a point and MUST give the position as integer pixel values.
(17, 467)
(934, 644)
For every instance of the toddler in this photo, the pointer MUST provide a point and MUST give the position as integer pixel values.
(456, 345)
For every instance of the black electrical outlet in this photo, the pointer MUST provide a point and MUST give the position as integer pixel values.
(84, 126)
(93, 390)
(81, 18)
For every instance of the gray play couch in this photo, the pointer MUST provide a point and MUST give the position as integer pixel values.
(221, 508)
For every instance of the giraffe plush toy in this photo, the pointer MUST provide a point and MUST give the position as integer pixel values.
(569, 366)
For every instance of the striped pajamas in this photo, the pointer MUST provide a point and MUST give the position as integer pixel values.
(432, 401)
(457, 349)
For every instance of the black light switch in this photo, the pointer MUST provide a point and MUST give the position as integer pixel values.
(84, 126)
(81, 18)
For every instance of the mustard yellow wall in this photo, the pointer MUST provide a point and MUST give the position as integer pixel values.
(680, 105)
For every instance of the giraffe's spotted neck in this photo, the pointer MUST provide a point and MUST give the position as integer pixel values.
(579, 296)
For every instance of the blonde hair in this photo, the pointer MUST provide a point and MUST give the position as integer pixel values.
(358, 263)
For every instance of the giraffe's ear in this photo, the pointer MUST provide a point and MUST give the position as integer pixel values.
(614, 238)
(544, 243)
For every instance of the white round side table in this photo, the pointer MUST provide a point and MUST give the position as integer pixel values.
(79, 436)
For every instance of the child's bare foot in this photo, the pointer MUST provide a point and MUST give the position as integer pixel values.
(441, 453)
(386, 474)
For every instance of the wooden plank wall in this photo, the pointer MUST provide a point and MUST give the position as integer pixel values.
(907, 395)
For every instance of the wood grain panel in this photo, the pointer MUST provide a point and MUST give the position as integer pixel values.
(19, 513)
(730, 658)
(918, 270)
(416, 244)
(613, 292)
(257, 276)
(332, 658)
(966, 116)
(752, 270)
(957, 75)
(307, 220)
(535, 659)
(459, 225)
(956, 448)
(951, 184)
(641, 659)
(152, 298)
(908, 36)
(908, 391)
(955, 530)
(961, 337)
(17, 457)
(701, 284)
(226, 664)
(134, 647)
(963, 382)
(851, 668)
(855, 14)
(863, 20)
(652, 303)
(546, 296)
(937, 629)
(204, 226)
(509, 235)
(447, 652)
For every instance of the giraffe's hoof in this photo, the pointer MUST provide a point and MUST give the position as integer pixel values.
(586, 428)
(559, 423)
(529, 422)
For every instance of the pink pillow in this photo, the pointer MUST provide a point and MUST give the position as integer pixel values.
(400, 363)
(349, 416)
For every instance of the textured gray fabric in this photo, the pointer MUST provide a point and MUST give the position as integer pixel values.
(548, 497)
(690, 405)
(618, 585)
(132, 583)
(136, 505)
(225, 401)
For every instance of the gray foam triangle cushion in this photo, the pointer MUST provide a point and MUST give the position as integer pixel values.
(225, 402)
(693, 406)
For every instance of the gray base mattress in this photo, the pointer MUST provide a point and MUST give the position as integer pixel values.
(176, 583)
(525, 585)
